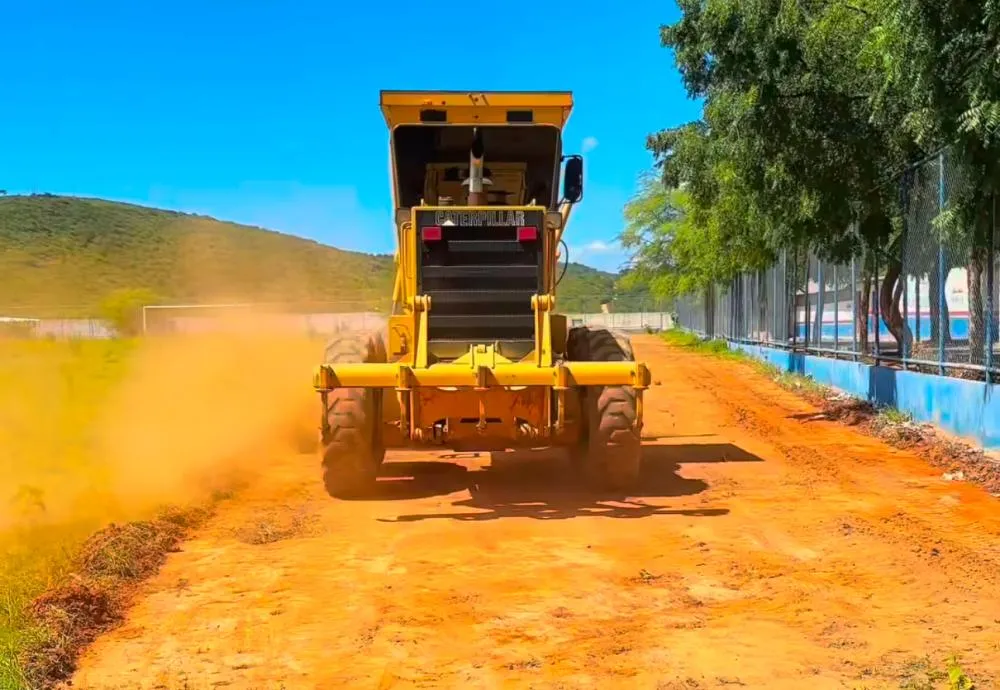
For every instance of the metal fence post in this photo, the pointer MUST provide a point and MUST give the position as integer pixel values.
(805, 315)
(820, 298)
(744, 312)
(836, 311)
(989, 292)
(733, 311)
(854, 310)
(942, 305)
(739, 307)
(733, 296)
(876, 311)
(773, 305)
(747, 314)
(793, 289)
(905, 204)
(904, 350)
(784, 296)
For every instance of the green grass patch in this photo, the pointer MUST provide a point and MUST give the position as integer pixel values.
(96, 438)
(50, 394)
(691, 341)
(893, 416)
(923, 674)
(791, 381)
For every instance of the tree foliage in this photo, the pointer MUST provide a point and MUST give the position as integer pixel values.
(673, 253)
(813, 111)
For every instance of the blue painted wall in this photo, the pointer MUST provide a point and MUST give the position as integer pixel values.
(967, 408)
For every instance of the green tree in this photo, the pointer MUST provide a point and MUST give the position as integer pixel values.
(788, 153)
(675, 250)
(123, 309)
(938, 79)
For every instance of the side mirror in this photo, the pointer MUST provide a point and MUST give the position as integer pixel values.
(573, 179)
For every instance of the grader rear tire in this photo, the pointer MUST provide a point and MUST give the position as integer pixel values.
(610, 451)
(352, 448)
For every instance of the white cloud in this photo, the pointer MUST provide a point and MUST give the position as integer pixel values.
(593, 249)
(598, 247)
(589, 144)
(606, 256)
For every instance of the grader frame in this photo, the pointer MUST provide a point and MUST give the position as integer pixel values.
(475, 357)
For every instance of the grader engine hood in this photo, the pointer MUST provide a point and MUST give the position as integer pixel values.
(480, 268)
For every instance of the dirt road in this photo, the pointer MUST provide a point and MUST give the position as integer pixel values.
(766, 549)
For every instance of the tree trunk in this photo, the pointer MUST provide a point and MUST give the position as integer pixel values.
(934, 297)
(889, 295)
(976, 277)
(862, 304)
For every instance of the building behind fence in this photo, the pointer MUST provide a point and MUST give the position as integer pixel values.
(941, 314)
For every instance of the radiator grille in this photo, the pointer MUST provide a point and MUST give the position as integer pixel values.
(480, 277)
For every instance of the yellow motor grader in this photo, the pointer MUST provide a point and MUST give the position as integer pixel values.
(475, 357)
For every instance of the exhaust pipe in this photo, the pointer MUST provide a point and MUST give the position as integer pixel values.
(476, 153)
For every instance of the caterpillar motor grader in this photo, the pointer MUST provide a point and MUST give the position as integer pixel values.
(475, 357)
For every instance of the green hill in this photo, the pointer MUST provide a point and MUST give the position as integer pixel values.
(61, 256)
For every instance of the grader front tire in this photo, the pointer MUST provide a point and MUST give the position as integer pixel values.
(352, 446)
(610, 449)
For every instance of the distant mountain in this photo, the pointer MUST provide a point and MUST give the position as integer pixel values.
(61, 256)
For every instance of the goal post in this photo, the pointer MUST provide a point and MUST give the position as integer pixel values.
(307, 319)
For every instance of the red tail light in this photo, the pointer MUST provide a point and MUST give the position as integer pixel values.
(528, 234)
(431, 234)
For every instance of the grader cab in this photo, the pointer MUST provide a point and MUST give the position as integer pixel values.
(475, 357)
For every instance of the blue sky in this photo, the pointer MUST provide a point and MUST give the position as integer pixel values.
(267, 112)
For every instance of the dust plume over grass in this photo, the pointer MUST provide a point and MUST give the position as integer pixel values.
(193, 410)
(96, 432)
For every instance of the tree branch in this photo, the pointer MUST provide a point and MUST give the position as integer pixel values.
(859, 10)
(816, 94)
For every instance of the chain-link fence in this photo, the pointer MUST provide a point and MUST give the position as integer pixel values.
(927, 300)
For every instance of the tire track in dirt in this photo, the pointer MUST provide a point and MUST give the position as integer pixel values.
(760, 550)
(983, 558)
(962, 570)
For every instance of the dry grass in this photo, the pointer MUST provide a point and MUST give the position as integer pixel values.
(274, 526)
(94, 596)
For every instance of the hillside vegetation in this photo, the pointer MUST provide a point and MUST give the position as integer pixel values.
(61, 256)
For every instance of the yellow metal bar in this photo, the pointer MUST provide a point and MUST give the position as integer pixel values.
(476, 108)
(496, 99)
(542, 305)
(569, 374)
(397, 284)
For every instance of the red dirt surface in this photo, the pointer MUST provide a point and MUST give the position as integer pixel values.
(767, 547)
